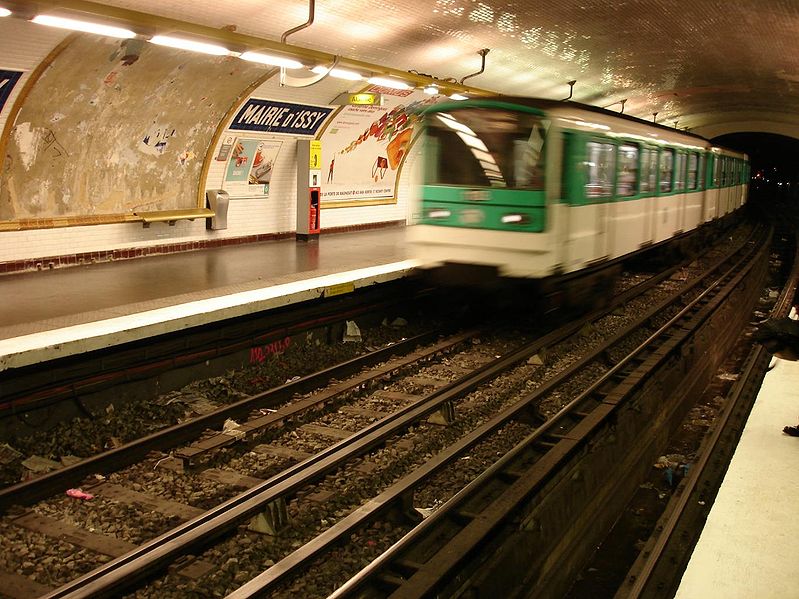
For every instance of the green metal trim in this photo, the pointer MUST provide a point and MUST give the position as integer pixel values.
(484, 195)
(478, 103)
(484, 216)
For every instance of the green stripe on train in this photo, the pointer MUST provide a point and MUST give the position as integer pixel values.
(484, 195)
(529, 219)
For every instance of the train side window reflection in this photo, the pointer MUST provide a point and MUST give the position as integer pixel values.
(601, 168)
(693, 169)
(649, 162)
(700, 172)
(679, 173)
(666, 170)
(628, 171)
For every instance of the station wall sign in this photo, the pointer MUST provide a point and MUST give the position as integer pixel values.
(269, 116)
(8, 79)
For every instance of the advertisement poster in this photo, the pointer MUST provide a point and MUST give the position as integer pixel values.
(249, 168)
(363, 146)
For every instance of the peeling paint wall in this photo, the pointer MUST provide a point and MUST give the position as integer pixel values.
(104, 133)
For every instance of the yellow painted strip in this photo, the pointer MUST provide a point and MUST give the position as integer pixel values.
(339, 289)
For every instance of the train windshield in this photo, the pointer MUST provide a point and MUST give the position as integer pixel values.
(476, 147)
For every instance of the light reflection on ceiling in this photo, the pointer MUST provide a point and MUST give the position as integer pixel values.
(699, 63)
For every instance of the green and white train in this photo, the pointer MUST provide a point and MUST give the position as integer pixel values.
(531, 189)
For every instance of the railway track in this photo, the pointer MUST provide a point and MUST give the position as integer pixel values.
(658, 569)
(343, 471)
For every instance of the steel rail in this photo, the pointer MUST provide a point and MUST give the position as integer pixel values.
(394, 495)
(425, 578)
(122, 572)
(28, 492)
(738, 404)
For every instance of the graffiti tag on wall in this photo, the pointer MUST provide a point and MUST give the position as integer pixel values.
(259, 354)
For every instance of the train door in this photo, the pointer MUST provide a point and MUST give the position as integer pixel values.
(712, 188)
(628, 219)
(701, 187)
(693, 194)
(724, 186)
(680, 175)
(649, 174)
(667, 203)
(589, 168)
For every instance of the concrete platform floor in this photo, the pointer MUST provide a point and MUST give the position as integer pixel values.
(67, 311)
(749, 548)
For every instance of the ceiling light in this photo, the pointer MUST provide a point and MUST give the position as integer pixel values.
(277, 61)
(386, 82)
(86, 26)
(4, 12)
(458, 97)
(431, 90)
(338, 73)
(185, 44)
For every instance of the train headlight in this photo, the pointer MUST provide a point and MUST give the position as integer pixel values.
(515, 219)
(439, 213)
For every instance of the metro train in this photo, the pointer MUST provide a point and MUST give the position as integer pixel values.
(530, 189)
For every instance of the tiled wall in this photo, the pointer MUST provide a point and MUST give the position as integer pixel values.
(250, 219)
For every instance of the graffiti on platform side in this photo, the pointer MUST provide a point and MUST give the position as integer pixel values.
(262, 352)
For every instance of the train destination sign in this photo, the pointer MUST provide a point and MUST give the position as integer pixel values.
(269, 116)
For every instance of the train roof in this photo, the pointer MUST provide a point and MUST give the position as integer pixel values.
(549, 105)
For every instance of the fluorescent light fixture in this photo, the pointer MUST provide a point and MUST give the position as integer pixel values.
(431, 90)
(4, 12)
(86, 26)
(458, 97)
(338, 73)
(386, 82)
(185, 44)
(277, 61)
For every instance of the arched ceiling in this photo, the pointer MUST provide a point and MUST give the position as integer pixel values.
(711, 66)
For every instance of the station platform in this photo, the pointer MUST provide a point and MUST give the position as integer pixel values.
(750, 542)
(53, 314)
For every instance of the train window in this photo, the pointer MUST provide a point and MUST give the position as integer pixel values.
(716, 171)
(486, 148)
(666, 170)
(628, 171)
(693, 170)
(649, 166)
(679, 173)
(601, 165)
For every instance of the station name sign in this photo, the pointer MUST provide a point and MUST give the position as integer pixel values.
(8, 79)
(269, 116)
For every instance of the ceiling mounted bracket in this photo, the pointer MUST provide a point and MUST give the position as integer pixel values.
(482, 54)
(308, 23)
(571, 89)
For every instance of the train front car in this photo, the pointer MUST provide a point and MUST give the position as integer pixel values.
(526, 189)
(482, 205)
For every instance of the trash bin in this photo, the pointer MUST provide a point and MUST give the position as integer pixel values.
(218, 200)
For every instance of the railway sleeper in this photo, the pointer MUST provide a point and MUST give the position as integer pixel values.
(403, 510)
(444, 416)
(271, 521)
